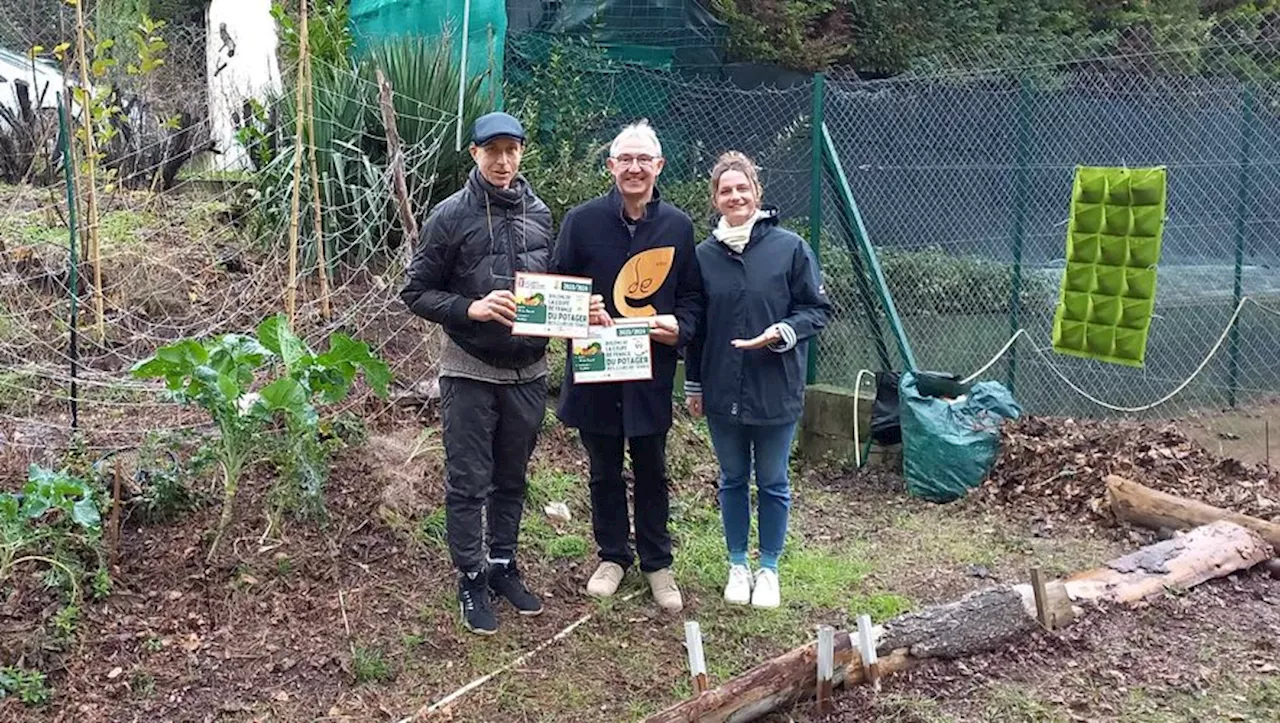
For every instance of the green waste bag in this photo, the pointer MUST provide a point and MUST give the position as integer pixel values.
(948, 447)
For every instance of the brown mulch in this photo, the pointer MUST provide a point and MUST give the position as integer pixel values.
(1053, 470)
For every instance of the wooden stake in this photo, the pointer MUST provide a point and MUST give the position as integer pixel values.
(91, 165)
(867, 649)
(697, 662)
(291, 285)
(1042, 598)
(321, 255)
(826, 666)
(115, 513)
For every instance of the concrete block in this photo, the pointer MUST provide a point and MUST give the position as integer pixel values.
(829, 410)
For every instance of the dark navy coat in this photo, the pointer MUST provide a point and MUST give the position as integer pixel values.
(774, 280)
(650, 271)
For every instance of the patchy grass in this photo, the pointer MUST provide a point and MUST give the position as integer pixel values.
(369, 665)
(569, 547)
(431, 530)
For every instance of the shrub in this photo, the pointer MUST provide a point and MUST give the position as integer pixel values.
(926, 281)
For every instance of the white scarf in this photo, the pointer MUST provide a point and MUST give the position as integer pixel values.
(737, 237)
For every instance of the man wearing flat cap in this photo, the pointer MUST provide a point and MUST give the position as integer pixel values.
(493, 385)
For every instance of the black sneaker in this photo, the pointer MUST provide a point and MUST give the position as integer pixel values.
(473, 601)
(504, 580)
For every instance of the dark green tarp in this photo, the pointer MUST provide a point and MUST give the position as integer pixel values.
(375, 20)
(661, 34)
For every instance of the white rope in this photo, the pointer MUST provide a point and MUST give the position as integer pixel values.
(1107, 405)
(1000, 354)
(445, 701)
(857, 439)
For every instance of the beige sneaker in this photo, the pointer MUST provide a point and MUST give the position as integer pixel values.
(663, 585)
(604, 581)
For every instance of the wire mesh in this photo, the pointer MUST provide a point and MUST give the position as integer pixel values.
(962, 174)
(964, 180)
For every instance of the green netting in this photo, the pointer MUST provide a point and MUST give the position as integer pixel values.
(1113, 246)
(376, 20)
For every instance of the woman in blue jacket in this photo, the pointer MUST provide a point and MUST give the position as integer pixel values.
(746, 367)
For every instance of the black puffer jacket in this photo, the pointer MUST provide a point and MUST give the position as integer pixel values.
(472, 243)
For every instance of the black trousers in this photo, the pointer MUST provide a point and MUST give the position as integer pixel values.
(489, 434)
(609, 518)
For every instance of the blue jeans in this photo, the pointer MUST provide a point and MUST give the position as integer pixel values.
(769, 447)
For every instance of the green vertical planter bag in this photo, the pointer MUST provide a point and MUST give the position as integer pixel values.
(1113, 246)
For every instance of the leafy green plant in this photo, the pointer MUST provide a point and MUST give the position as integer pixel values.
(309, 379)
(219, 376)
(65, 622)
(566, 114)
(53, 521)
(27, 685)
(329, 37)
(216, 376)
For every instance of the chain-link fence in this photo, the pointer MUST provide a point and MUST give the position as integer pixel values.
(964, 180)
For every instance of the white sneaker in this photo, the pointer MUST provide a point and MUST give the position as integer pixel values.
(738, 591)
(766, 593)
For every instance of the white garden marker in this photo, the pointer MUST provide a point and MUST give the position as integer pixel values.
(867, 649)
(697, 662)
(826, 666)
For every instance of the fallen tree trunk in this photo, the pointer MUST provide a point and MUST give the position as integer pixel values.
(1205, 553)
(983, 620)
(1145, 507)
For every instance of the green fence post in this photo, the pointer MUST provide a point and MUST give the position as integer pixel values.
(73, 344)
(815, 197)
(850, 208)
(1242, 207)
(1021, 191)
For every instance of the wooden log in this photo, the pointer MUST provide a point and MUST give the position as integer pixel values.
(976, 623)
(1205, 553)
(984, 620)
(1145, 507)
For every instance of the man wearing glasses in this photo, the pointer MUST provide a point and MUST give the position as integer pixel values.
(492, 384)
(640, 252)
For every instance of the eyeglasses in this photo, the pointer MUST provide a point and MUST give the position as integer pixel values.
(642, 161)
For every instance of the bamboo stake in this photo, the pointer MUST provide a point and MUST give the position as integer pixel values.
(91, 165)
(321, 255)
(291, 285)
